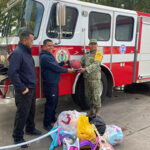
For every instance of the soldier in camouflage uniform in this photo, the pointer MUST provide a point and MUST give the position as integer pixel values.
(91, 70)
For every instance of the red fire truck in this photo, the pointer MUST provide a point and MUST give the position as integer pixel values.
(123, 37)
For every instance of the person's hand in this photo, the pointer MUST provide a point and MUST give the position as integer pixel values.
(66, 62)
(25, 91)
(70, 70)
(81, 70)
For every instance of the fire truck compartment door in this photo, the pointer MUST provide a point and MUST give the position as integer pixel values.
(144, 54)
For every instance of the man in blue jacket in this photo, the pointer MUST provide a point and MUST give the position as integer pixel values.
(50, 70)
(23, 76)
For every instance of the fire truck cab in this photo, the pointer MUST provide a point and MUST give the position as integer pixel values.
(122, 35)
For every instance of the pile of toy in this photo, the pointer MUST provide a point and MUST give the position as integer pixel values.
(76, 131)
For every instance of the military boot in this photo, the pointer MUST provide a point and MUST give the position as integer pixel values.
(91, 113)
(98, 111)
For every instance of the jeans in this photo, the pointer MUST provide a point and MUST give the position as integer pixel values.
(25, 113)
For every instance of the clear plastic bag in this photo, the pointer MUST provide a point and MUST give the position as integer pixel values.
(113, 134)
(69, 120)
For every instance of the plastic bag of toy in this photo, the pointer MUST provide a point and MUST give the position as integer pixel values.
(71, 144)
(85, 129)
(113, 134)
(99, 123)
(59, 135)
(102, 144)
(69, 120)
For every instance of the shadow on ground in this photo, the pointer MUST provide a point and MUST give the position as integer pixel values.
(142, 88)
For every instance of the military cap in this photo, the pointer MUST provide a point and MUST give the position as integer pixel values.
(93, 41)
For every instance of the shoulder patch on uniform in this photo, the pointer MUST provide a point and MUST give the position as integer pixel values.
(98, 56)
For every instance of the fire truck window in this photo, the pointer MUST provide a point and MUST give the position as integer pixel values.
(68, 29)
(124, 28)
(99, 26)
(26, 14)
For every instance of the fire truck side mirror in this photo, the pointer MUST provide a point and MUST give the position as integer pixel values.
(60, 15)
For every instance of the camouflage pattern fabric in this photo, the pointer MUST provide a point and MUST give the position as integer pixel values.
(93, 70)
(92, 77)
(92, 92)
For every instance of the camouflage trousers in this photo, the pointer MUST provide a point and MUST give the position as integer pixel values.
(92, 92)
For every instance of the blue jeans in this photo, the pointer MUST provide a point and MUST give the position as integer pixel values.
(51, 94)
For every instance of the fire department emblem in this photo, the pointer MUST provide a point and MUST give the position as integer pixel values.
(62, 55)
(122, 49)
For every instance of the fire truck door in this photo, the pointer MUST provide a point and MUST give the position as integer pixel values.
(124, 39)
(144, 50)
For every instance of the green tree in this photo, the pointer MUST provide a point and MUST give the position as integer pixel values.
(137, 5)
(3, 4)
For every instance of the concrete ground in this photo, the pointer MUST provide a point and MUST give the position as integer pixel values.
(130, 110)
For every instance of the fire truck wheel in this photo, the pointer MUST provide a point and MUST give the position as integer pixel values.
(79, 97)
(104, 86)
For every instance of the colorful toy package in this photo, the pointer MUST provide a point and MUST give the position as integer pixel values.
(70, 144)
(69, 120)
(102, 144)
(113, 134)
(58, 136)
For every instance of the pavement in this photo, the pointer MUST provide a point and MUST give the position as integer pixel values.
(129, 109)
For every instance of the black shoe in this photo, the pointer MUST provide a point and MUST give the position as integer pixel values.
(21, 141)
(34, 132)
(48, 128)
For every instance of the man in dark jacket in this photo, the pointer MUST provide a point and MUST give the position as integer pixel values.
(50, 70)
(23, 76)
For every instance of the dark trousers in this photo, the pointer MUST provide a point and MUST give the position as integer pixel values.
(51, 94)
(25, 113)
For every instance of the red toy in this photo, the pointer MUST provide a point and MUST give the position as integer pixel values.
(75, 64)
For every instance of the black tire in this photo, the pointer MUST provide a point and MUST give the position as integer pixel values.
(79, 97)
(104, 86)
